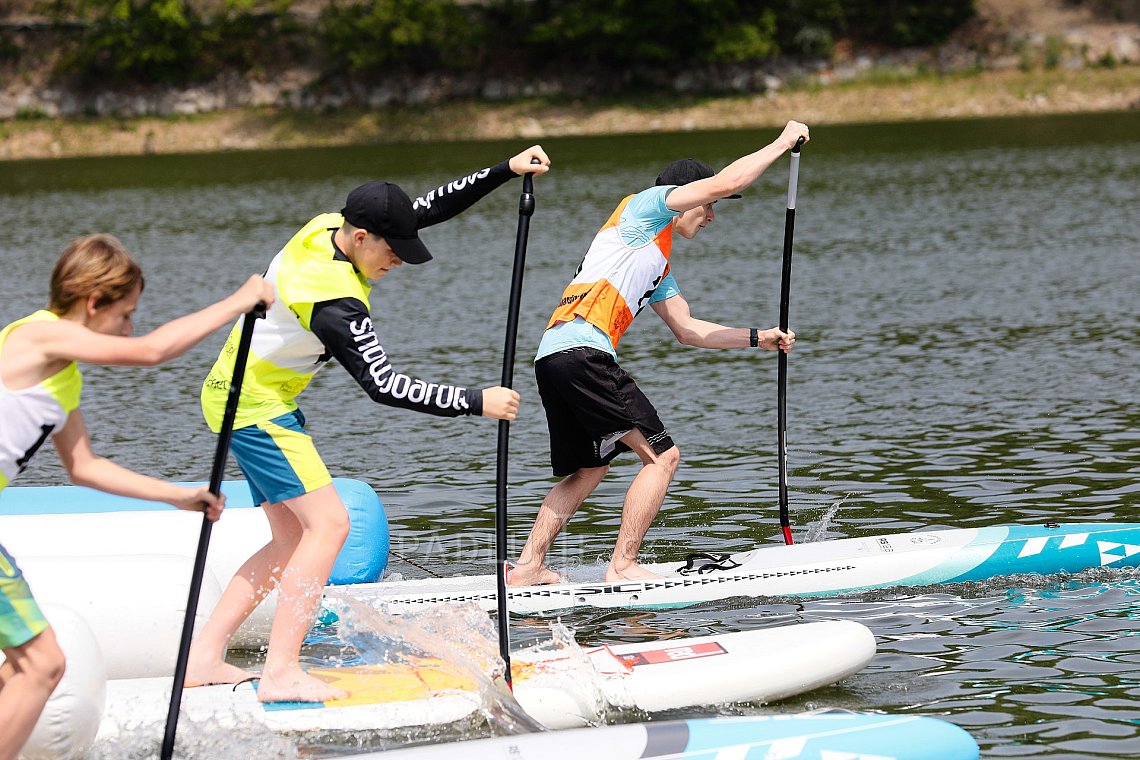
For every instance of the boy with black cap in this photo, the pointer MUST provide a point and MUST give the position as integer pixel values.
(322, 279)
(594, 410)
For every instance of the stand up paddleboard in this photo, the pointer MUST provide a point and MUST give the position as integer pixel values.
(561, 687)
(824, 568)
(808, 736)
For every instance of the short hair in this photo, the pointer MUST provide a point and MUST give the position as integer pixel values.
(93, 265)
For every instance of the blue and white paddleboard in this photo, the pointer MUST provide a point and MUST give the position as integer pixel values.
(820, 736)
(823, 568)
(557, 685)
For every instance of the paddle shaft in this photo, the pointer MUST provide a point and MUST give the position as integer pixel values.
(526, 209)
(216, 474)
(782, 361)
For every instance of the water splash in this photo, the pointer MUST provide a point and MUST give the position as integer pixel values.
(452, 640)
(239, 739)
(817, 530)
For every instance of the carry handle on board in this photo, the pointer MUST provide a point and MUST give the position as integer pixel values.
(526, 209)
(216, 475)
(782, 361)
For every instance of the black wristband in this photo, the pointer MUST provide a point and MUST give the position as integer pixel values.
(753, 337)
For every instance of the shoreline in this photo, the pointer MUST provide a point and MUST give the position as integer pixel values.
(874, 98)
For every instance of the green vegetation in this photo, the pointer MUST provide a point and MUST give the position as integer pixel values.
(371, 36)
(166, 41)
(183, 41)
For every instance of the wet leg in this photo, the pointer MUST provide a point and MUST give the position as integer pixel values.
(556, 510)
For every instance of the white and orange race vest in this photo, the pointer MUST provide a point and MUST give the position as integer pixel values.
(615, 279)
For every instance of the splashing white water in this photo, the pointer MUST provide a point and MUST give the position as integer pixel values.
(456, 639)
(817, 529)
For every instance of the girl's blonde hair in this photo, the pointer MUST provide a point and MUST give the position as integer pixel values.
(93, 265)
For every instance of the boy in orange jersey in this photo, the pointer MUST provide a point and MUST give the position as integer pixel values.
(594, 410)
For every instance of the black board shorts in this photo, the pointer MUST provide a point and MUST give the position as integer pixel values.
(590, 403)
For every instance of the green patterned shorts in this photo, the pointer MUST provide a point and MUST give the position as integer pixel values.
(20, 617)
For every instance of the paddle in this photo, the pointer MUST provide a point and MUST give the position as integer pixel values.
(216, 473)
(526, 208)
(782, 364)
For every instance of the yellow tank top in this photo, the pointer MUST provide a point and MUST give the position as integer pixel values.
(284, 354)
(29, 415)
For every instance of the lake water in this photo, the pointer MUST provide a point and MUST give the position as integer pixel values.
(967, 300)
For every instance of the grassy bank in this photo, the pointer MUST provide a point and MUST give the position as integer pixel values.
(875, 97)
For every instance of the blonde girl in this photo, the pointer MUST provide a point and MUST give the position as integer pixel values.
(95, 289)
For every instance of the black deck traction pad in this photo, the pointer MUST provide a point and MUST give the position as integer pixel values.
(711, 563)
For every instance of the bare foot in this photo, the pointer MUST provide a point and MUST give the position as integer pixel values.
(525, 576)
(297, 686)
(217, 673)
(631, 572)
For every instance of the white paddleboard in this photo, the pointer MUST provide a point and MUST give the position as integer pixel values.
(559, 687)
(823, 568)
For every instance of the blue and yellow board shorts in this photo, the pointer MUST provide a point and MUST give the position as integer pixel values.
(20, 617)
(278, 459)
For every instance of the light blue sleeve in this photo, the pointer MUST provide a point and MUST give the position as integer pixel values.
(645, 216)
(667, 288)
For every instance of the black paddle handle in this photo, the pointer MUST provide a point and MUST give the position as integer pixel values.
(526, 209)
(782, 361)
(220, 452)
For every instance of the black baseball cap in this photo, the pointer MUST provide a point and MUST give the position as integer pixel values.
(686, 170)
(386, 211)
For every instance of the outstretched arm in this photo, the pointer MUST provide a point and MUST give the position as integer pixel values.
(697, 332)
(738, 175)
(460, 194)
(346, 329)
(70, 341)
(85, 468)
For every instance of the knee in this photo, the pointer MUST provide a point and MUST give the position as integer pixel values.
(336, 526)
(670, 460)
(595, 474)
(56, 667)
(46, 662)
(589, 476)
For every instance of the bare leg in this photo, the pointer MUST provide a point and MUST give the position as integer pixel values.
(642, 502)
(324, 527)
(248, 588)
(28, 676)
(556, 510)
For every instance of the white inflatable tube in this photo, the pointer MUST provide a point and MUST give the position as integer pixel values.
(70, 719)
(68, 521)
(134, 605)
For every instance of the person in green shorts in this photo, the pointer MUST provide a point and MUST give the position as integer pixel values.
(323, 277)
(95, 288)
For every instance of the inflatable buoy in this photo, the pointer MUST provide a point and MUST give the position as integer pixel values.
(71, 717)
(80, 522)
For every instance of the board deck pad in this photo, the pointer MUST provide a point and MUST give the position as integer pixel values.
(381, 684)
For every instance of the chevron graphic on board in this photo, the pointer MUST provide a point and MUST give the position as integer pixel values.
(781, 749)
(1033, 546)
(1112, 552)
(1073, 539)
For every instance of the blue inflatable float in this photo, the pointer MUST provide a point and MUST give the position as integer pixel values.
(76, 521)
